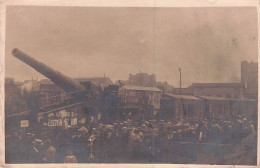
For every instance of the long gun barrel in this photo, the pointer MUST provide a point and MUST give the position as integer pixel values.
(66, 83)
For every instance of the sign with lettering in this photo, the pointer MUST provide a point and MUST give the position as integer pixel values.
(24, 123)
(61, 118)
(74, 121)
(55, 123)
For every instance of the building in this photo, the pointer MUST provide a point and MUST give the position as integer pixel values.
(16, 104)
(141, 96)
(246, 89)
(224, 90)
(249, 79)
(13, 102)
(11, 91)
(50, 94)
(101, 82)
(183, 91)
(142, 79)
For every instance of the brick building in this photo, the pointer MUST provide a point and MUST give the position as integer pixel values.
(142, 79)
(51, 94)
(246, 89)
(225, 90)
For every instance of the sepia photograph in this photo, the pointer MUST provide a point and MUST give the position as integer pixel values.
(131, 85)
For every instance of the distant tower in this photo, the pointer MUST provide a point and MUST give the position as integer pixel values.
(249, 79)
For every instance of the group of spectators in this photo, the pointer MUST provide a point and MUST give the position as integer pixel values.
(150, 141)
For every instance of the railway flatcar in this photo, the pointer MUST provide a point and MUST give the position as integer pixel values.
(178, 107)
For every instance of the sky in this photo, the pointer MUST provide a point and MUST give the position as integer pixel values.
(207, 43)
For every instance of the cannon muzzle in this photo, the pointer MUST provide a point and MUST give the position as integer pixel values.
(66, 83)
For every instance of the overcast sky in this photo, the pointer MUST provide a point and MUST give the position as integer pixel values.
(207, 43)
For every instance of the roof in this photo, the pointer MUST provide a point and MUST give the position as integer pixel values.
(18, 114)
(205, 97)
(252, 100)
(215, 85)
(154, 89)
(96, 80)
(182, 96)
(222, 98)
(184, 91)
(213, 98)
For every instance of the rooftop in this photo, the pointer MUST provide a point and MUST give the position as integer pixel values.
(213, 98)
(215, 85)
(221, 98)
(96, 80)
(182, 96)
(154, 89)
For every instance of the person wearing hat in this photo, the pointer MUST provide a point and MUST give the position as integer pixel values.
(202, 131)
(123, 143)
(27, 148)
(252, 127)
(91, 142)
(50, 153)
(37, 150)
(236, 131)
(70, 158)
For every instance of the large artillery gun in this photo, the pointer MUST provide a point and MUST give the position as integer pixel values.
(78, 91)
(69, 85)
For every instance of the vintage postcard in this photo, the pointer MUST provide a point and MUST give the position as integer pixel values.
(112, 84)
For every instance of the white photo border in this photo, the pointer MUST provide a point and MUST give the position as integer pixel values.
(110, 3)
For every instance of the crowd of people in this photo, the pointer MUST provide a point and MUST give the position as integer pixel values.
(150, 141)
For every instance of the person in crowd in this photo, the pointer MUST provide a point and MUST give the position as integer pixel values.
(70, 158)
(91, 141)
(146, 141)
(202, 131)
(50, 153)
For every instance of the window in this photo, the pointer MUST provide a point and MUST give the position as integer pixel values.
(228, 96)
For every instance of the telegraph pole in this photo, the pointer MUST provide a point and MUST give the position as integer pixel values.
(183, 108)
(180, 78)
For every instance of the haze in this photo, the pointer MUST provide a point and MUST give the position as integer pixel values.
(207, 43)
